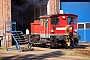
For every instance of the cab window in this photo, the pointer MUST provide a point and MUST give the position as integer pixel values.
(71, 20)
(55, 20)
(42, 22)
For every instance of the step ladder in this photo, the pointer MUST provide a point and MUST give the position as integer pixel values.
(18, 37)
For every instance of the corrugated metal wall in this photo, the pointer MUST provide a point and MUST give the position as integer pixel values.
(82, 9)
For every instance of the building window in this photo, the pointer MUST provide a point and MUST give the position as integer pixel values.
(80, 26)
(87, 25)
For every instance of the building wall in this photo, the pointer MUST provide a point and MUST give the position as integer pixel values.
(54, 6)
(81, 9)
(5, 15)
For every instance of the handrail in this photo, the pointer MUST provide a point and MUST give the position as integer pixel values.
(29, 45)
(17, 45)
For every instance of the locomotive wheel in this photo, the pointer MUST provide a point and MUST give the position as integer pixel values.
(52, 43)
(63, 43)
(71, 45)
(75, 41)
(63, 46)
(56, 45)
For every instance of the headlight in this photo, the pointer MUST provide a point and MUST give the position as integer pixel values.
(52, 30)
(75, 30)
(63, 17)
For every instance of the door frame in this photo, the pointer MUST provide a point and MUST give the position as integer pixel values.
(84, 31)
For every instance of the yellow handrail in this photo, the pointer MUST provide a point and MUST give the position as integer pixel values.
(67, 35)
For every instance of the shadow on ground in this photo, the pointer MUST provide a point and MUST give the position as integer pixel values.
(34, 57)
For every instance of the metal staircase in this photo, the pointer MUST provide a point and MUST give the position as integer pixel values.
(18, 37)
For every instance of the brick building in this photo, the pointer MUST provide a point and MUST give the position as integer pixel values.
(5, 15)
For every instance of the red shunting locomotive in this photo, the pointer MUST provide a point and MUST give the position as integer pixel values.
(55, 30)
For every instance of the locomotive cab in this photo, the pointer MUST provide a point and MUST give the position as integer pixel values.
(56, 30)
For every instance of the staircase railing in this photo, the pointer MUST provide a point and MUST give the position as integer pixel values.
(29, 44)
(17, 44)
